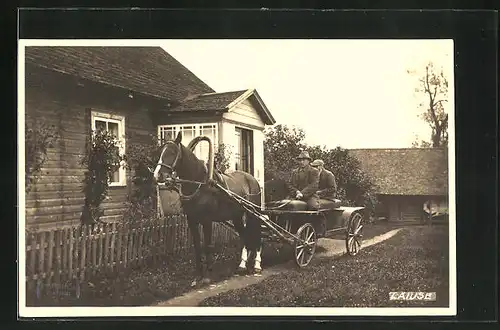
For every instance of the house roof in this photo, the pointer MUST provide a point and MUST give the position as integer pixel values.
(224, 102)
(147, 70)
(411, 171)
(207, 102)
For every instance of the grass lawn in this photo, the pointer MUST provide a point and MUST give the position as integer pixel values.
(416, 259)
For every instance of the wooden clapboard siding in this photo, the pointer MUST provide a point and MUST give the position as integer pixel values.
(246, 116)
(244, 113)
(59, 100)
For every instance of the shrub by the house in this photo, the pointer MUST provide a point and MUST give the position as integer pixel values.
(101, 161)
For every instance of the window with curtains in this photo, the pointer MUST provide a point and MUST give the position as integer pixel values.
(189, 132)
(116, 125)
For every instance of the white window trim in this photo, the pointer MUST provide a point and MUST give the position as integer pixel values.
(197, 127)
(120, 120)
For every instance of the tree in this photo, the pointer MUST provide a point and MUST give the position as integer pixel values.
(420, 144)
(433, 89)
(354, 186)
(282, 145)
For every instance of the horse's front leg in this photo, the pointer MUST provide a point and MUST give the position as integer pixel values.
(193, 228)
(254, 232)
(239, 226)
(207, 238)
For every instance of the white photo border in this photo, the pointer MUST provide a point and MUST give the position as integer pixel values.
(25, 311)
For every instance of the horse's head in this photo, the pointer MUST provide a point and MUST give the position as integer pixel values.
(168, 162)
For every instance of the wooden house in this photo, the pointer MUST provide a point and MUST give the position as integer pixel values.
(135, 92)
(407, 180)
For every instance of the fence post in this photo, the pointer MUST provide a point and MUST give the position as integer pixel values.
(83, 253)
(73, 248)
(101, 246)
(34, 241)
(41, 260)
(50, 259)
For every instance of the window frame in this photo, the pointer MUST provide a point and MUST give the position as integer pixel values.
(247, 133)
(120, 121)
(197, 129)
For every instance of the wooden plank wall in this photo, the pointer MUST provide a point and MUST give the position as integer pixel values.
(246, 114)
(66, 103)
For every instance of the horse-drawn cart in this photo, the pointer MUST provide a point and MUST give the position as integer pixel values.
(229, 198)
(289, 222)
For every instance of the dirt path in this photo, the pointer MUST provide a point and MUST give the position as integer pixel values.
(333, 248)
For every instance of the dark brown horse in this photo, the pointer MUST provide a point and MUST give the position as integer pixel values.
(203, 203)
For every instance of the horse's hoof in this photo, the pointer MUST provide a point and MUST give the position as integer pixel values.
(206, 281)
(196, 282)
(241, 271)
(257, 272)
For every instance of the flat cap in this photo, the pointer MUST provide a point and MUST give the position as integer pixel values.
(318, 162)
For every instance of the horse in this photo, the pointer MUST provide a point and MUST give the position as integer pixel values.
(203, 203)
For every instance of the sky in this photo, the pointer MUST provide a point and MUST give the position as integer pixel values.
(348, 93)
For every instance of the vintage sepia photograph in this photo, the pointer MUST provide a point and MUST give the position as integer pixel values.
(236, 177)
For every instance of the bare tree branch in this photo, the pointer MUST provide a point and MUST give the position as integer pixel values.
(434, 84)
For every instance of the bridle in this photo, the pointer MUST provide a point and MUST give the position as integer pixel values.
(174, 164)
(173, 182)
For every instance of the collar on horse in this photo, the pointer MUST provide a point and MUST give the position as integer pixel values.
(175, 182)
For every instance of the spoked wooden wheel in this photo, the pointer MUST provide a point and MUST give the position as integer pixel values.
(305, 248)
(354, 235)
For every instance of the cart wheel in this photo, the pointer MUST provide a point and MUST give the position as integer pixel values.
(354, 236)
(305, 252)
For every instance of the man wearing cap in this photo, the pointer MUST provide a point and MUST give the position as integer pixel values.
(327, 189)
(304, 181)
(327, 186)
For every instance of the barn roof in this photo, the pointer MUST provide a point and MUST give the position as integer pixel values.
(410, 171)
(224, 102)
(147, 70)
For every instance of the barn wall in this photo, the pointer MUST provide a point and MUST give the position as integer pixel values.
(402, 208)
(60, 100)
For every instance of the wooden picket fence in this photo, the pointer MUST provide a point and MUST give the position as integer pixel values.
(68, 254)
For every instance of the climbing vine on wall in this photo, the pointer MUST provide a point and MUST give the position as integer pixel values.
(101, 161)
(38, 138)
(222, 157)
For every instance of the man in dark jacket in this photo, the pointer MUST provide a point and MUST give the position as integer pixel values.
(327, 187)
(327, 191)
(304, 182)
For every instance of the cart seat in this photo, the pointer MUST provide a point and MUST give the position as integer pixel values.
(299, 205)
(331, 204)
(296, 205)
(288, 205)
